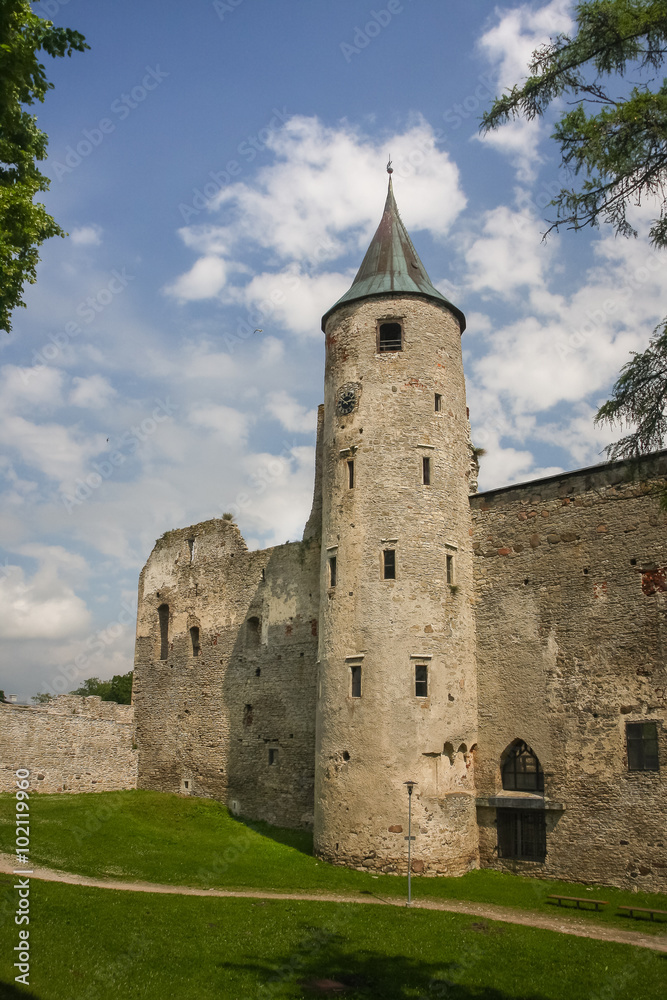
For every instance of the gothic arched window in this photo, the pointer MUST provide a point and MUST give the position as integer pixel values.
(521, 770)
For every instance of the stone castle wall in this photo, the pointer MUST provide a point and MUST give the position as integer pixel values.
(72, 744)
(570, 601)
(236, 720)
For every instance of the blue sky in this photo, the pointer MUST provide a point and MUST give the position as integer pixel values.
(220, 167)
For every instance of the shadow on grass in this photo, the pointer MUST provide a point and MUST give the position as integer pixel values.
(324, 965)
(299, 840)
(10, 992)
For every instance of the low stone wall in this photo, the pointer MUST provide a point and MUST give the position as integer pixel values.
(73, 744)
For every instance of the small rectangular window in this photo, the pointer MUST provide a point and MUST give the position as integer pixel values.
(389, 564)
(438, 402)
(450, 570)
(421, 680)
(273, 756)
(332, 571)
(355, 687)
(426, 470)
(642, 741)
(390, 337)
(350, 474)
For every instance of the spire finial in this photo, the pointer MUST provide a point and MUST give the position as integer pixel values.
(390, 169)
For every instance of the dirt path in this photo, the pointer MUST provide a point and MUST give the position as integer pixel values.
(564, 924)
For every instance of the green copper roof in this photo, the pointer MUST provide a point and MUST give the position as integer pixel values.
(392, 266)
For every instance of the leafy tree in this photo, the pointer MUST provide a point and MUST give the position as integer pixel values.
(42, 698)
(118, 689)
(121, 688)
(2, 697)
(94, 686)
(617, 145)
(24, 225)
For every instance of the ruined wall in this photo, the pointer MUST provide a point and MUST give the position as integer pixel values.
(73, 744)
(237, 720)
(571, 641)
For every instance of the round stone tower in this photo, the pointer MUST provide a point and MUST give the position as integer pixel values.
(396, 690)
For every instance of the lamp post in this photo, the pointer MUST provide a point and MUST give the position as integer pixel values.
(409, 838)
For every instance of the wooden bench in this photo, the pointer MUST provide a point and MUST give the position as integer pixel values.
(642, 909)
(578, 899)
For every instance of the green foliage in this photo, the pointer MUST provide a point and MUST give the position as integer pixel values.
(2, 696)
(118, 689)
(24, 225)
(638, 400)
(42, 698)
(618, 146)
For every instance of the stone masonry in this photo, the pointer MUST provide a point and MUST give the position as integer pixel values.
(72, 744)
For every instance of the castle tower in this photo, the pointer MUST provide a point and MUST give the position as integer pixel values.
(396, 688)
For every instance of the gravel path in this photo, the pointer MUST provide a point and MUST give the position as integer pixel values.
(564, 924)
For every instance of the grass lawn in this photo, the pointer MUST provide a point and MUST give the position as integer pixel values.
(98, 944)
(173, 839)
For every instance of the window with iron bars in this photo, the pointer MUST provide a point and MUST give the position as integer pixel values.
(522, 834)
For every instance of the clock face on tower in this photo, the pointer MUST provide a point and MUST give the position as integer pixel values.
(347, 399)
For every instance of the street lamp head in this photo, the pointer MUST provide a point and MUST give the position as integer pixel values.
(411, 785)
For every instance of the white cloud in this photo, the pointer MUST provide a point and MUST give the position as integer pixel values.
(86, 236)
(293, 299)
(228, 424)
(37, 387)
(57, 451)
(290, 414)
(510, 43)
(203, 281)
(309, 208)
(509, 46)
(509, 254)
(40, 607)
(94, 392)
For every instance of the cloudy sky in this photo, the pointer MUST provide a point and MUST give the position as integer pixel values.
(219, 167)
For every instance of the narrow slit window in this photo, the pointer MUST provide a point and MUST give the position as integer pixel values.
(333, 571)
(194, 638)
(421, 680)
(438, 403)
(355, 675)
(163, 618)
(390, 337)
(389, 564)
(273, 756)
(450, 570)
(426, 470)
(253, 632)
(642, 741)
(350, 474)
(191, 547)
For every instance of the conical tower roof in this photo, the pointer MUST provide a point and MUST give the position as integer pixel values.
(392, 266)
